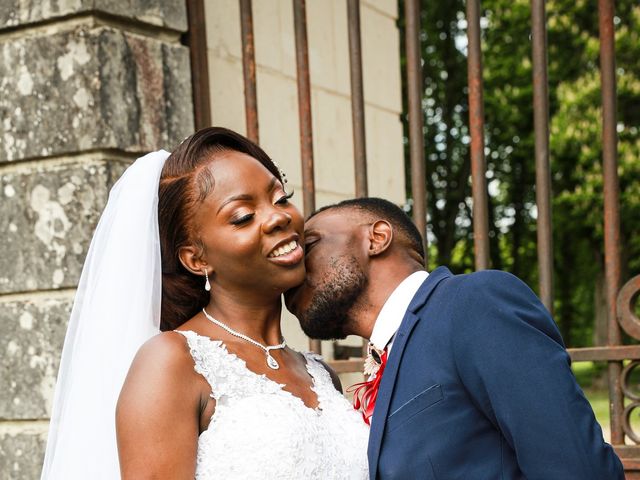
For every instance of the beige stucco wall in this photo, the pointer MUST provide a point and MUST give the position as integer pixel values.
(331, 102)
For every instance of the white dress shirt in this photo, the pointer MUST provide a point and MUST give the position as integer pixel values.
(393, 310)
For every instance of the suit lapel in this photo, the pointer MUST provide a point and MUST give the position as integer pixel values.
(386, 390)
(391, 371)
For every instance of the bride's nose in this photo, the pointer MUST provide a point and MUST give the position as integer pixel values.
(276, 220)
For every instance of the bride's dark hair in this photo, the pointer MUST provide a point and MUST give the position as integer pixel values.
(184, 184)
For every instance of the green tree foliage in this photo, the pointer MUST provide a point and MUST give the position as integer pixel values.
(446, 130)
(576, 145)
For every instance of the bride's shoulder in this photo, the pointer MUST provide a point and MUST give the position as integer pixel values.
(160, 396)
(162, 365)
(166, 351)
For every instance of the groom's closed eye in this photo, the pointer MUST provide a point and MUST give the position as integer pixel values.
(308, 245)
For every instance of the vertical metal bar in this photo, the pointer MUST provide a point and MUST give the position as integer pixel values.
(543, 175)
(304, 104)
(476, 127)
(197, 42)
(249, 71)
(414, 102)
(357, 97)
(357, 107)
(304, 113)
(611, 206)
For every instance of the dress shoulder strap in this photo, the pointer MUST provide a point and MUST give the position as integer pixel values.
(227, 374)
(318, 370)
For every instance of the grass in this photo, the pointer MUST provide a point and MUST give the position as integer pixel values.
(599, 400)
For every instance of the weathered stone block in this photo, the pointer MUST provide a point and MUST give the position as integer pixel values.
(22, 453)
(165, 13)
(92, 89)
(32, 337)
(48, 212)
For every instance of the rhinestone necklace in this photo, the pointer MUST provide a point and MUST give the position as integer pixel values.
(271, 362)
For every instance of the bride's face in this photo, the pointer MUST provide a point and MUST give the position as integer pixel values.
(251, 234)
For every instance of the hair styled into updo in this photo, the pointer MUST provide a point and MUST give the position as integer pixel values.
(185, 183)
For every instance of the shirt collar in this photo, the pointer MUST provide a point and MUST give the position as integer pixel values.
(394, 308)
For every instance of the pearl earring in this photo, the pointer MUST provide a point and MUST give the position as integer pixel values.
(207, 285)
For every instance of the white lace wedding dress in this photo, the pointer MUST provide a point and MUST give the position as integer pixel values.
(260, 431)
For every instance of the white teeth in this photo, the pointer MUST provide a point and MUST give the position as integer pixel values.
(284, 249)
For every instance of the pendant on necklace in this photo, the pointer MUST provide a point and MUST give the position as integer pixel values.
(272, 363)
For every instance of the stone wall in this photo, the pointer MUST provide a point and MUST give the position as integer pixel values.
(86, 86)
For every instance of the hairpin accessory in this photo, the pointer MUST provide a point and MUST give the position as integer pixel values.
(283, 175)
(207, 285)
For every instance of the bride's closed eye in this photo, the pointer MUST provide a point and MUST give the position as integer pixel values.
(240, 220)
(284, 200)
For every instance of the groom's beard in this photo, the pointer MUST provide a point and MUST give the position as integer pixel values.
(333, 299)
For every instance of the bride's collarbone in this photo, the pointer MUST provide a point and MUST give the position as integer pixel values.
(291, 365)
(292, 372)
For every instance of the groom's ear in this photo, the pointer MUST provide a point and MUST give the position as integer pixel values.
(380, 237)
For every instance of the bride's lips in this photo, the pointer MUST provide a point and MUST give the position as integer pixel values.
(287, 253)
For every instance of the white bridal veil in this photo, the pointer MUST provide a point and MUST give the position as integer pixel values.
(116, 309)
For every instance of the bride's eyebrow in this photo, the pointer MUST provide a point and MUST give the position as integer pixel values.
(235, 198)
(245, 196)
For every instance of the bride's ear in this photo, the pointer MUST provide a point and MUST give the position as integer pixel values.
(191, 259)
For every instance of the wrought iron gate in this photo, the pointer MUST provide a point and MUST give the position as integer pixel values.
(621, 359)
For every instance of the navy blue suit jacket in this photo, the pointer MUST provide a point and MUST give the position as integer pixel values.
(478, 386)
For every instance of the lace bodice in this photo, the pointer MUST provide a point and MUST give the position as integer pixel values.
(259, 430)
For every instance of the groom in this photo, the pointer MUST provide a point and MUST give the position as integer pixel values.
(477, 384)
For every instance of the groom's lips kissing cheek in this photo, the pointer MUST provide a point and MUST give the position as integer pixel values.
(298, 298)
(334, 276)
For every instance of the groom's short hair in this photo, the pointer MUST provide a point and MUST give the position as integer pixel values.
(380, 209)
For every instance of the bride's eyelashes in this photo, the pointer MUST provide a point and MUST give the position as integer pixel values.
(242, 220)
(284, 200)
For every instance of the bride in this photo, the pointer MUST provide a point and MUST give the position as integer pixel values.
(199, 245)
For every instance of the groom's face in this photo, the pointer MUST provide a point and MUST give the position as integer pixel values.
(335, 278)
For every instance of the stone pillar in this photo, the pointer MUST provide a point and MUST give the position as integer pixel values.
(86, 86)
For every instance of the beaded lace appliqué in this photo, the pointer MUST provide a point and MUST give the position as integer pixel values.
(259, 430)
